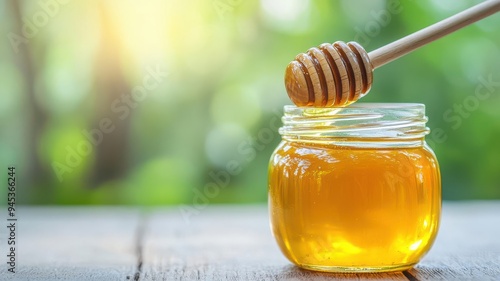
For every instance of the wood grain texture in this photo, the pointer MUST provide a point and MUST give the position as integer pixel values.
(73, 244)
(220, 243)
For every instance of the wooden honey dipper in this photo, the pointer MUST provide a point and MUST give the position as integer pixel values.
(339, 74)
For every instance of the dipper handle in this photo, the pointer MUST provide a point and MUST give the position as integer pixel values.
(431, 33)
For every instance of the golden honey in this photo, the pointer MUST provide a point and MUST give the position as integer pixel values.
(354, 189)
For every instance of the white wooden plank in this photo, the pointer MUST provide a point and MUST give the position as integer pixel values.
(223, 243)
(67, 243)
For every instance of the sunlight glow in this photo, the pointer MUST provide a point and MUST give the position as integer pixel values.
(287, 15)
(145, 41)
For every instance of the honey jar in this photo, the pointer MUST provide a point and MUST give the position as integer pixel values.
(354, 189)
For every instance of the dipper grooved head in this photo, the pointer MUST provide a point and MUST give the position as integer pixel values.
(330, 75)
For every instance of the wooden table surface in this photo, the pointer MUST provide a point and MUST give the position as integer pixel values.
(220, 243)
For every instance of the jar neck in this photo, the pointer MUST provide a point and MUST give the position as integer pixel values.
(376, 143)
(358, 125)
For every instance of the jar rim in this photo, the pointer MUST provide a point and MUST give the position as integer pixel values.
(358, 122)
(358, 105)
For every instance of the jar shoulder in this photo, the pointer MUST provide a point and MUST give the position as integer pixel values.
(290, 153)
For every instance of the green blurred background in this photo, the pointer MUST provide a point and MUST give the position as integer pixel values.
(182, 96)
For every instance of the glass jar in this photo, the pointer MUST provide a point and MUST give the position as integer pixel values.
(354, 189)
